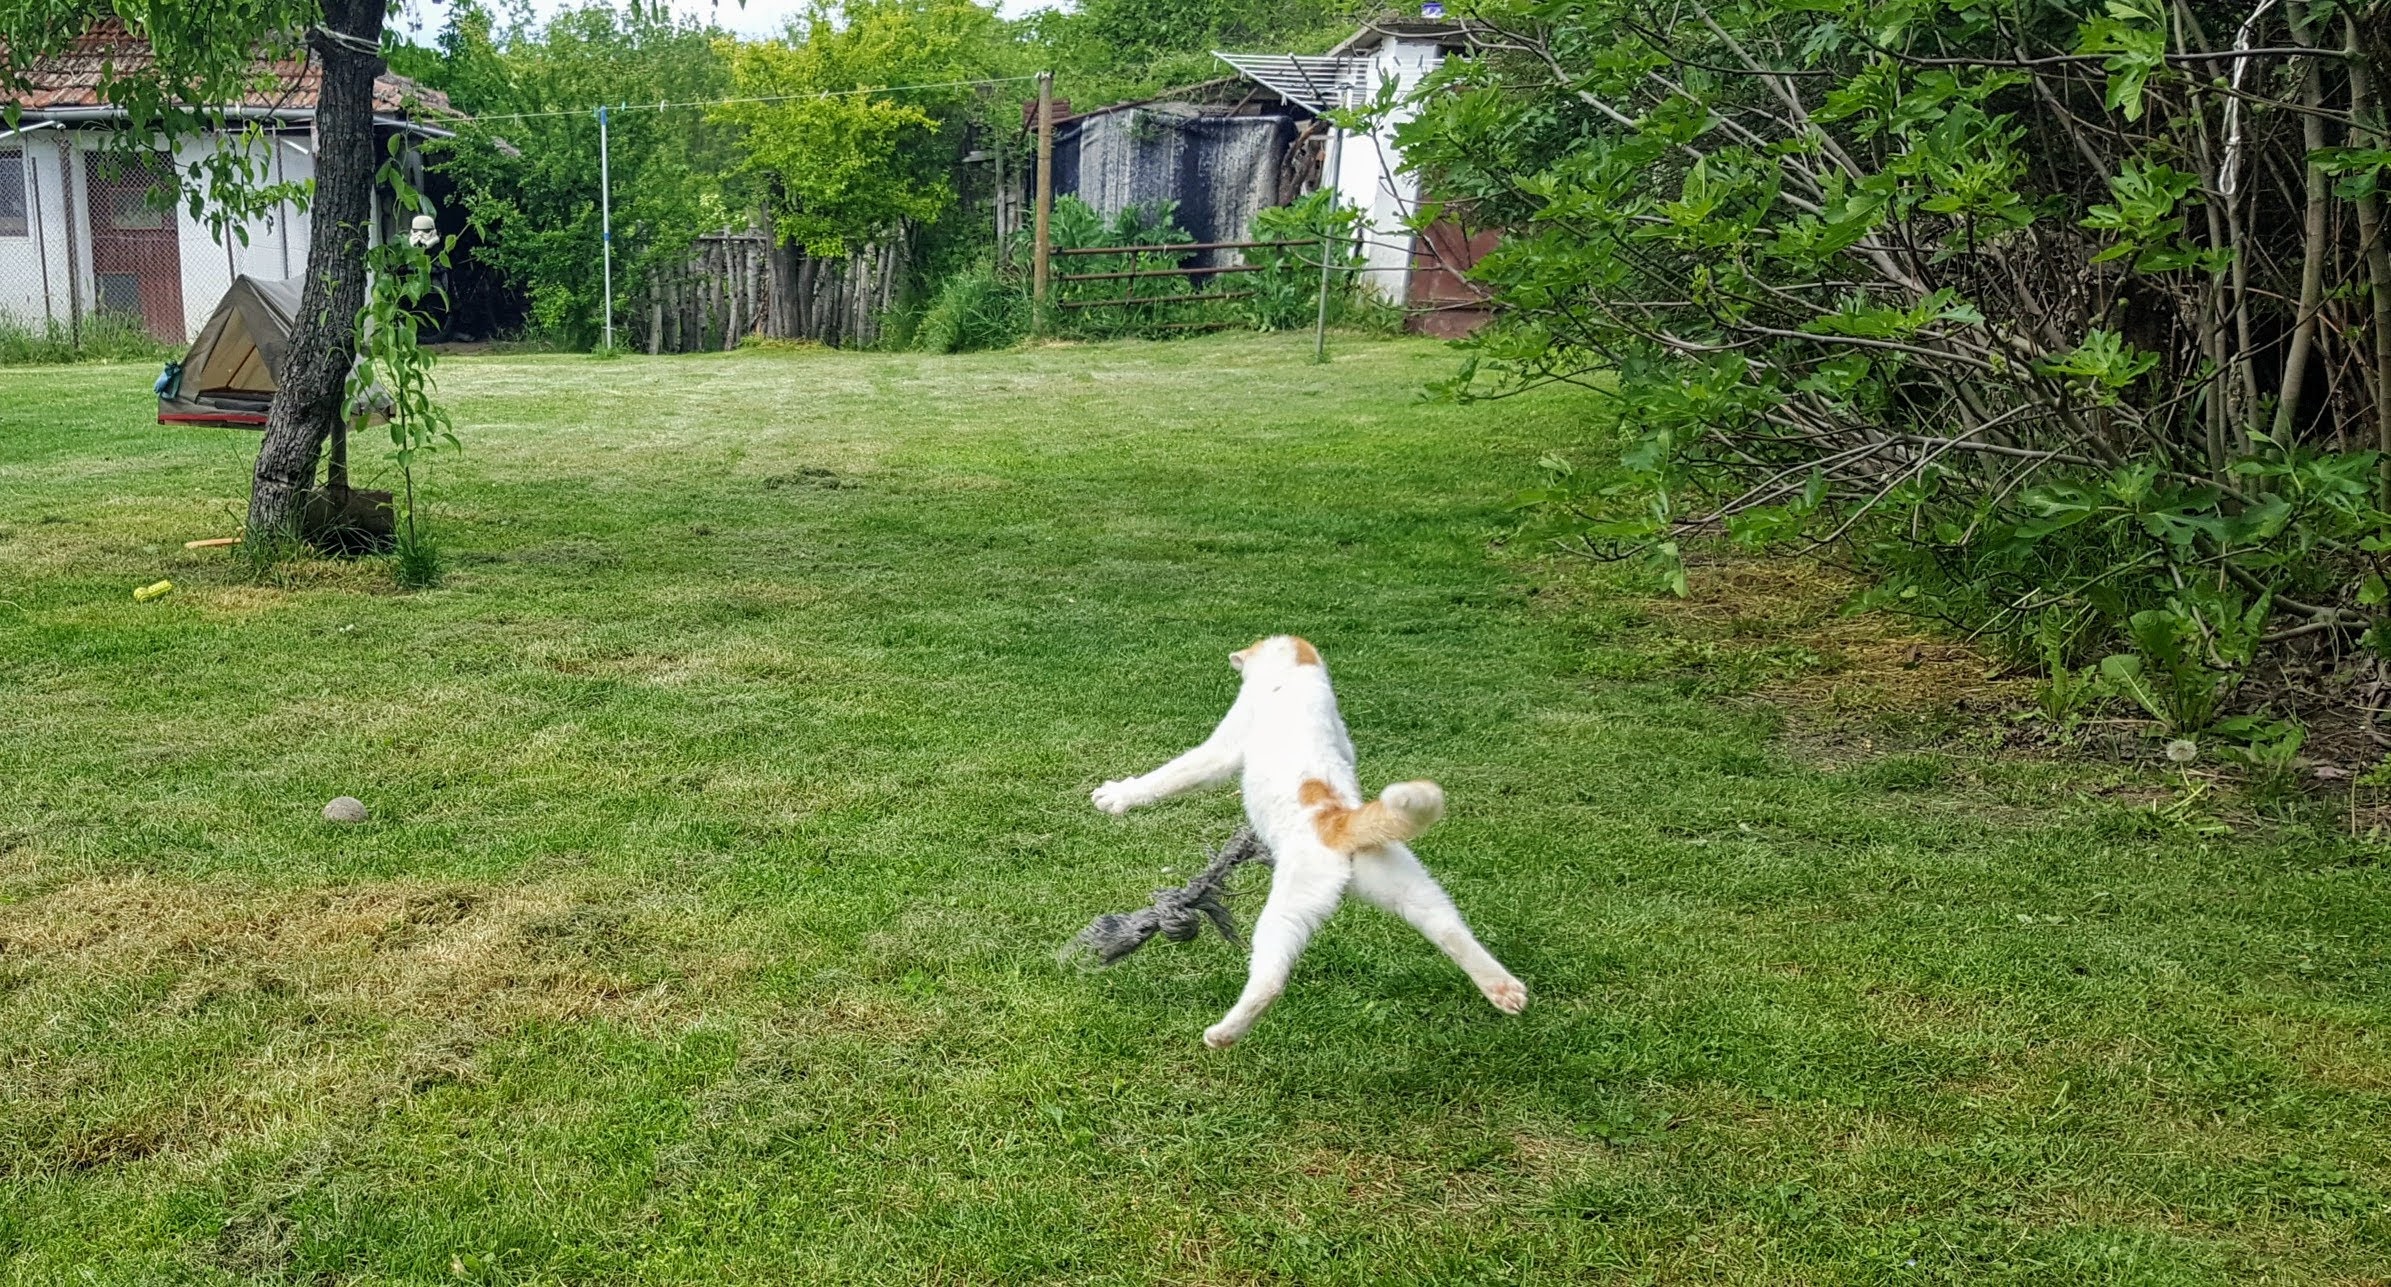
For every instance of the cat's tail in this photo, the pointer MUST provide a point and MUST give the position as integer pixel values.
(1400, 812)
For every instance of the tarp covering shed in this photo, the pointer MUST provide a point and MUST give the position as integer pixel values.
(230, 374)
(1222, 169)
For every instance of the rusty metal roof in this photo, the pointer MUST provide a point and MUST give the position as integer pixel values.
(72, 79)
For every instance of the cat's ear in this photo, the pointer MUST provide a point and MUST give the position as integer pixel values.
(1237, 658)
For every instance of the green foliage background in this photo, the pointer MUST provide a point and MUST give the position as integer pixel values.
(2018, 305)
(527, 166)
(836, 158)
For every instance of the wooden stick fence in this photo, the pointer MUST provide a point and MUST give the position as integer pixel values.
(735, 284)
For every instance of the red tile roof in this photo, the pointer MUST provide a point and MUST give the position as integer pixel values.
(72, 79)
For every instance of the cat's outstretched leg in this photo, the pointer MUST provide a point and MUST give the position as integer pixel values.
(1304, 892)
(1212, 764)
(1208, 765)
(1391, 877)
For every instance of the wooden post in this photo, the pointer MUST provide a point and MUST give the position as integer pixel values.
(66, 203)
(734, 284)
(336, 461)
(1044, 247)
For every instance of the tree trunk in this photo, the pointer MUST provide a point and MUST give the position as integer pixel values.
(2312, 268)
(307, 399)
(2365, 112)
(734, 289)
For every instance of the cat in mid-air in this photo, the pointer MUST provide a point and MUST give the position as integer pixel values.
(1304, 798)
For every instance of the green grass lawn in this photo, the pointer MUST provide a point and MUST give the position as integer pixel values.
(730, 801)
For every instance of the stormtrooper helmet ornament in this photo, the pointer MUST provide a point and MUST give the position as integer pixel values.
(424, 233)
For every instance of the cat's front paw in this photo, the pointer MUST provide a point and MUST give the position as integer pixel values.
(1221, 1036)
(1114, 797)
(1509, 996)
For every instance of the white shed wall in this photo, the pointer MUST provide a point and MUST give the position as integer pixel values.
(1367, 171)
(277, 241)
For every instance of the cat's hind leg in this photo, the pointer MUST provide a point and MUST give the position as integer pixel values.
(1304, 891)
(1391, 877)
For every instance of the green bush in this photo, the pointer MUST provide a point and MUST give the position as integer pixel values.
(1285, 295)
(1287, 292)
(973, 311)
(979, 309)
(2037, 324)
(1077, 226)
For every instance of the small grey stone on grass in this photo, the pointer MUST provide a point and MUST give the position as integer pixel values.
(347, 808)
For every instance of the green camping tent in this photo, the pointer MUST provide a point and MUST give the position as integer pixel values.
(228, 377)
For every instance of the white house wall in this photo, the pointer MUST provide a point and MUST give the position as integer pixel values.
(46, 277)
(1367, 176)
(277, 243)
(46, 213)
(283, 254)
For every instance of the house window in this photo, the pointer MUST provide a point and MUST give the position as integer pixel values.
(12, 192)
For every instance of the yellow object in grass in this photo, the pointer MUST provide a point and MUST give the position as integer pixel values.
(154, 590)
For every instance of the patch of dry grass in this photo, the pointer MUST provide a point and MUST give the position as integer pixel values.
(1871, 664)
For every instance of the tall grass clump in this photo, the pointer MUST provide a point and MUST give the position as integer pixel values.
(104, 337)
(972, 312)
(416, 561)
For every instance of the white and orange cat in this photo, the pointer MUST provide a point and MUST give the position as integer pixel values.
(1303, 796)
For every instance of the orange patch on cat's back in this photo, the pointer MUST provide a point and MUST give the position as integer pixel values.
(1330, 819)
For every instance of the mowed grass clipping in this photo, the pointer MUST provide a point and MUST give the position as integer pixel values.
(730, 801)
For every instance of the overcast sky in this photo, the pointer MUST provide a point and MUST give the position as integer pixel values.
(422, 18)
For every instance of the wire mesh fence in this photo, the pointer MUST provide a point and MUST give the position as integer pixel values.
(100, 260)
